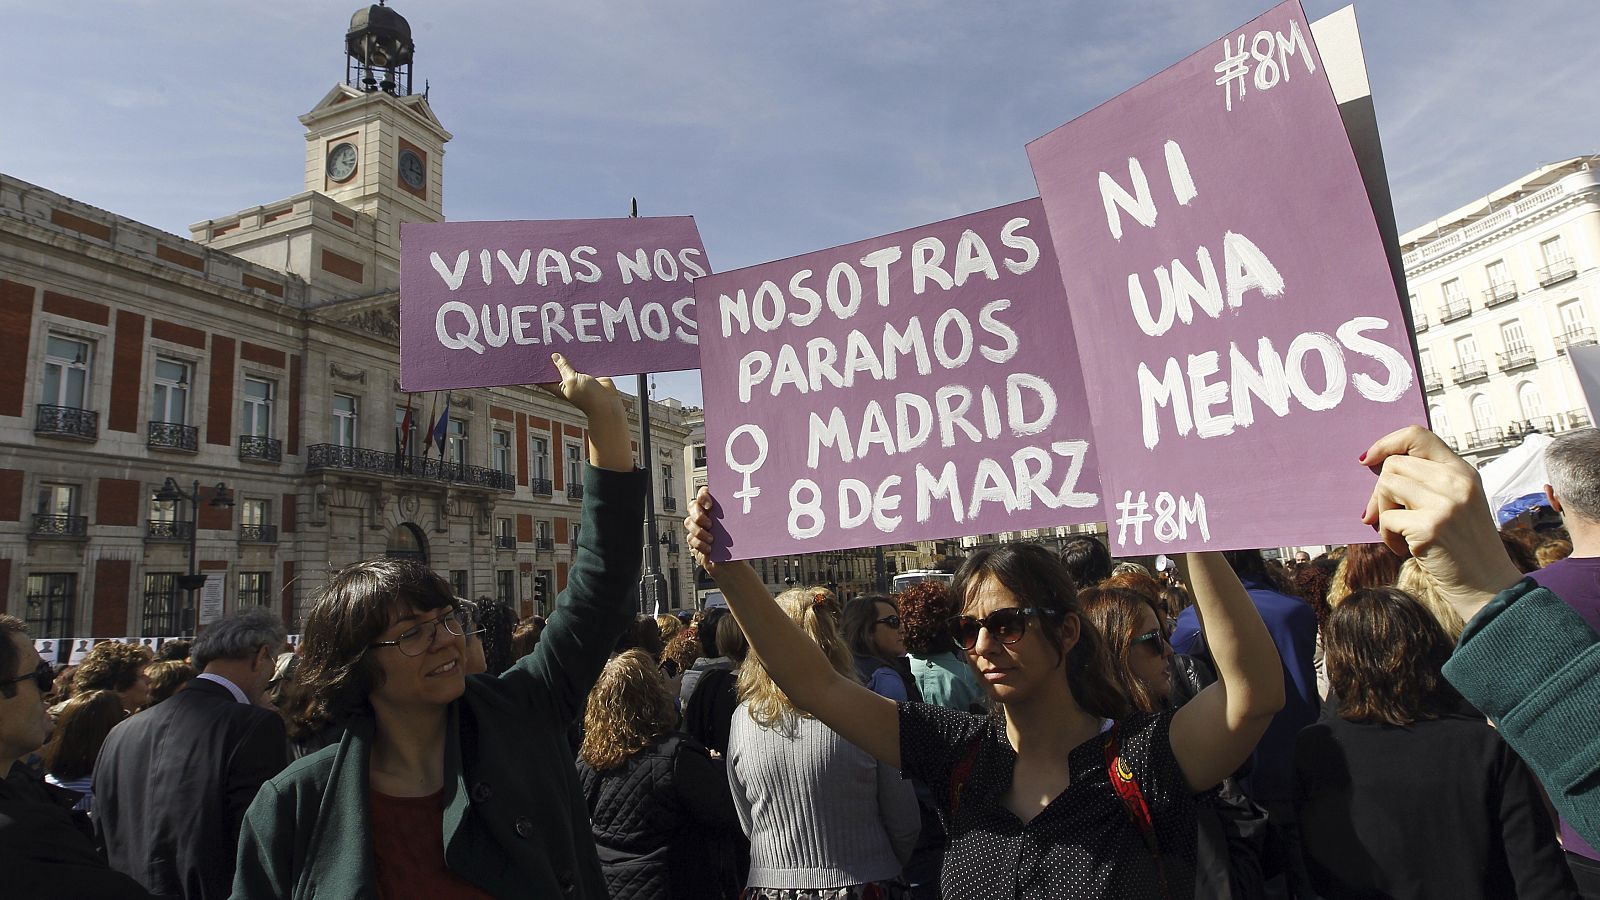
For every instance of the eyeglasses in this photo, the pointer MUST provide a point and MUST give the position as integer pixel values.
(43, 677)
(416, 640)
(471, 618)
(1006, 625)
(1148, 636)
(893, 621)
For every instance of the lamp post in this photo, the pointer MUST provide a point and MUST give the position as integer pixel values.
(221, 497)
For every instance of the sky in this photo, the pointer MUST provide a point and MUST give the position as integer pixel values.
(782, 127)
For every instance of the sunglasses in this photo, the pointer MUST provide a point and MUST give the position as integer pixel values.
(893, 621)
(44, 677)
(1006, 625)
(1147, 636)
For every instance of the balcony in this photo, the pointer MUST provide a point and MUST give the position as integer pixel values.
(1504, 292)
(574, 490)
(53, 527)
(505, 542)
(1452, 310)
(1576, 337)
(258, 534)
(1419, 324)
(1515, 358)
(541, 487)
(167, 530)
(67, 422)
(1576, 418)
(1535, 425)
(544, 545)
(669, 504)
(1557, 272)
(173, 436)
(332, 457)
(1469, 371)
(260, 449)
(1431, 381)
(1485, 439)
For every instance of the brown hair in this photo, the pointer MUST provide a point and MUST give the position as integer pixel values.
(1137, 580)
(525, 637)
(1521, 554)
(768, 705)
(683, 649)
(669, 625)
(81, 728)
(1114, 612)
(166, 676)
(111, 666)
(1311, 585)
(925, 611)
(1552, 550)
(860, 617)
(1364, 566)
(9, 625)
(1037, 578)
(1386, 654)
(629, 709)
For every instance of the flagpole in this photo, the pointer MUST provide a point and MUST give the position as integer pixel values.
(652, 587)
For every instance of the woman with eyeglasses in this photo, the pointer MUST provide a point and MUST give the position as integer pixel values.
(1041, 801)
(445, 785)
(872, 630)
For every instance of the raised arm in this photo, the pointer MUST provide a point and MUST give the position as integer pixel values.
(795, 662)
(1216, 731)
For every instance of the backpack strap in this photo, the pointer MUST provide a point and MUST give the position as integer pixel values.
(962, 771)
(1132, 797)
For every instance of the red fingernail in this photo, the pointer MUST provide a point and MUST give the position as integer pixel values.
(1363, 458)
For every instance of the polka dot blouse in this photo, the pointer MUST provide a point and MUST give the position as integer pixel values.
(1083, 844)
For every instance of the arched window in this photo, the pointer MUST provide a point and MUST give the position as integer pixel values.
(1528, 401)
(1482, 413)
(406, 541)
(1440, 422)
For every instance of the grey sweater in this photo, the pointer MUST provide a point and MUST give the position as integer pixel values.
(819, 811)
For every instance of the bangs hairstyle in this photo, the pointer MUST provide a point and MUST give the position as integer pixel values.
(629, 709)
(1114, 612)
(1386, 654)
(351, 611)
(813, 611)
(1037, 578)
(925, 611)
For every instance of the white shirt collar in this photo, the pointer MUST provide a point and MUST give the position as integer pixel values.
(232, 688)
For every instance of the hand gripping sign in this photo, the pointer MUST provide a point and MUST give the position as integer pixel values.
(1239, 329)
(910, 387)
(486, 303)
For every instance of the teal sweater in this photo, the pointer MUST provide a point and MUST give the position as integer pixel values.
(1531, 664)
(515, 821)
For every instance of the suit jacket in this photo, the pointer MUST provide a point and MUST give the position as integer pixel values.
(45, 848)
(172, 784)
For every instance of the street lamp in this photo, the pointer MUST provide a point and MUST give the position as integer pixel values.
(221, 498)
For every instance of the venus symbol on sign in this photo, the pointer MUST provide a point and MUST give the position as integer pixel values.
(759, 437)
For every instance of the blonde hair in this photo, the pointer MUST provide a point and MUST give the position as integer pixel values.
(1416, 581)
(814, 612)
(669, 626)
(629, 709)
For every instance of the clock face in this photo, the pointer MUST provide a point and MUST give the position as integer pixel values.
(412, 171)
(342, 161)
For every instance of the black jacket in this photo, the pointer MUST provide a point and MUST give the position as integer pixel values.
(45, 848)
(663, 823)
(172, 784)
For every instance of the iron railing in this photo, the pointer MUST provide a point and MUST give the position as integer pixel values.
(66, 421)
(1485, 438)
(544, 544)
(574, 490)
(322, 457)
(54, 526)
(1535, 425)
(505, 542)
(1504, 292)
(542, 487)
(1469, 371)
(173, 436)
(1577, 337)
(1419, 323)
(1431, 381)
(167, 530)
(1557, 271)
(1455, 309)
(258, 534)
(1515, 358)
(260, 448)
(669, 504)
(1577, 418)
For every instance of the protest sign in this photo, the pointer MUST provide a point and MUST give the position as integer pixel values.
(1241, 338)
(486, 303)
(210, 600)
(910, 387)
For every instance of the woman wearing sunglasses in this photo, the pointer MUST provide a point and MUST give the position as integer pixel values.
(872, 630)
(1041, 801)
(445, 785)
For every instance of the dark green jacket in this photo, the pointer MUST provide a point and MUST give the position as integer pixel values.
(515, 821)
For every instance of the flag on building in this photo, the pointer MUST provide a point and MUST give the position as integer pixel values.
(441, 426)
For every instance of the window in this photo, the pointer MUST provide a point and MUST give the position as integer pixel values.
(345, 410)
(404, 437)
(666, 482)
(163, 510)
(1437, 418)
(455, 441)
(1528, 401)
(256, 415)
(501, 445)
(57, 499)
(253, 588)
(541, 531)
(1512, 337)
(458, 581)
(541, 458)
(572, 534)
(1553, 250)
(505, 586)
(574, 464)
(51, 597)
(700, 452)
(253, 514)
(1452, 292)
(1466, 350)
(1574, 318)
(169, 401)
(164, 612)
(66, 372)
(1498, 273)
(1482, 413)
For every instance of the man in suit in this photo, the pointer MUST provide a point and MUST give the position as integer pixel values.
(172, 783)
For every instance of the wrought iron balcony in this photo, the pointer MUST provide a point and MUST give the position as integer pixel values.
(574, 490)
(258, 534)
(1535, 425)
(541, 487)
(1431, 381)
(167, 530)
(1485, 439)
(325, 457)
(505, 542)
(1504, 292)
(544, 544)
(1452, 310)
(259, 448)
(1577, 337)
(1557, 272)
(669, 504)
(173, 436)
(1577, 418)
(62, 527)
(67, 422)
(1419, 323)
(1469, 371)
(1515, 358)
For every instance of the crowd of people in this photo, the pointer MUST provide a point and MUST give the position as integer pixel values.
(1411, 718)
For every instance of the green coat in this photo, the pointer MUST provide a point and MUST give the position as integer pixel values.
(515, 821)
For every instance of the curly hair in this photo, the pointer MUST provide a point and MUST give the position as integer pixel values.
(1386, 655)
(1114, 613)
(629, 709)
(813, 611)
(925, 611)
(1311, 585)
(669, 625)
(111, 666)
(683, 649)
(81, 729)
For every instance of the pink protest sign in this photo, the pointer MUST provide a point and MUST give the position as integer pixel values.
(909, 387)
(486, 303)
(1241, 339)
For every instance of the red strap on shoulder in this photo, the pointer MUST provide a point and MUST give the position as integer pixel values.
(963, 771)
(1132, 797)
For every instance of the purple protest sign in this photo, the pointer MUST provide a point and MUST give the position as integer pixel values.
(486, 303)
(1241, 340)
(910, 387)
